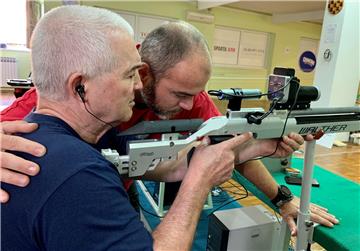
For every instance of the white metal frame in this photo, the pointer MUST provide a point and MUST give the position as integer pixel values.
(159, 207)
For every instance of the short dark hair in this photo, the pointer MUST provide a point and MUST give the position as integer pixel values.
(169, 44)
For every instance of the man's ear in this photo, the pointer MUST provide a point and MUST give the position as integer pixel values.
(73, 82)
(145, 73)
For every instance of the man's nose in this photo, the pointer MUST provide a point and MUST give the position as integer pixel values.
(186, 103)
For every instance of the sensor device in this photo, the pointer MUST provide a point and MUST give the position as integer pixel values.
(278, 88)
(285, 88)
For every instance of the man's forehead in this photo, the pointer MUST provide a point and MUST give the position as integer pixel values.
(195, 66)
(127, 53)
(187, 81)
(186, 85)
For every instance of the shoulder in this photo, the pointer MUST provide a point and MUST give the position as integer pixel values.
(203, 100)
(66, 156)
(202, 96)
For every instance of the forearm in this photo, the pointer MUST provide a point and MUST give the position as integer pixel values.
(173, 170)
(256, 172)
(168, 171)
(182, 218)
(248, 151)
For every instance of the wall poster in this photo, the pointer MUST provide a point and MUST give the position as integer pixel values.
(240, 48)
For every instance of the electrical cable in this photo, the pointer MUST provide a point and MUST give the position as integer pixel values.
(232, 200)
(257, 119)
(283, 130)
(284, 127)
(80, 90)
(136, 194)
(227, 203)
(277, 218)
(148, 212)
(106, 123)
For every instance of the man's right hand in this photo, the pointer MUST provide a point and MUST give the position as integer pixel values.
(15, 170)
(215, 163)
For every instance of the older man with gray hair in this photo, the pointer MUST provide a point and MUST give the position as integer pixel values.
(85, 68)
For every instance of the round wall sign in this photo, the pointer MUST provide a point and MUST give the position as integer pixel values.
(307, 61)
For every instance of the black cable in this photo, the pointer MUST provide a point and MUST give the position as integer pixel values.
(235, 193)
(148, 212)
(137, 201)
(236, 176)
(106, 123)
(227, 203)
(272, 107)
(238, 185)
(284, 127)
(277, 218)
(308, 248)
(232, 200)
(232, 186)
(258, 119)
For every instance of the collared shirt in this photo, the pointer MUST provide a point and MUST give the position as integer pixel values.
(76, 202)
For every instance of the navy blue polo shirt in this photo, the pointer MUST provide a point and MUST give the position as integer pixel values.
(76, 202)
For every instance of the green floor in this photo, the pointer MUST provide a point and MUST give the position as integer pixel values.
(341, 196)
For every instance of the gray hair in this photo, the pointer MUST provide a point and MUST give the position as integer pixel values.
(72, 39)
(169, 44)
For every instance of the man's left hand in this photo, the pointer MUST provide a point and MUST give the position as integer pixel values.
(318, 214)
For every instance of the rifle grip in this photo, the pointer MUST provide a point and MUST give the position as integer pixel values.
(218, 139)
(190, 154)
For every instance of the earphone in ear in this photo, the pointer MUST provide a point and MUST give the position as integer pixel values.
(81, 91)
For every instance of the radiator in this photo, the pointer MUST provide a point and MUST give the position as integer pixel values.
(8, 69)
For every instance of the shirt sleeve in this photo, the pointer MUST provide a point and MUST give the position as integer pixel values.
(91, 211)
(20, 107)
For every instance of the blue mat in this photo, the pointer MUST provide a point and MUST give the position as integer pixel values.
(200, 240)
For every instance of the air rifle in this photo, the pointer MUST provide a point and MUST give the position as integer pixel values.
(145, 155)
